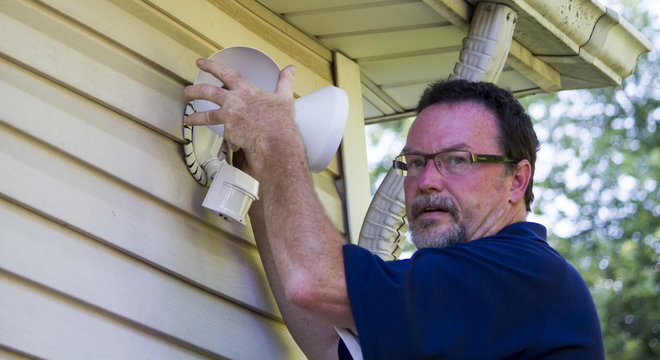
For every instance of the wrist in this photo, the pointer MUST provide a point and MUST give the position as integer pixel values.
(281, 151)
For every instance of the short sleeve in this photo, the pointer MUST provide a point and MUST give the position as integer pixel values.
(451, 302)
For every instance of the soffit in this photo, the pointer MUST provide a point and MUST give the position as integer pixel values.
(402, 45)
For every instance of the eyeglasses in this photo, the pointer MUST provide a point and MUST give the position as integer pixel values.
(452, 162)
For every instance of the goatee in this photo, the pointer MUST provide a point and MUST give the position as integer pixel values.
(422, 230)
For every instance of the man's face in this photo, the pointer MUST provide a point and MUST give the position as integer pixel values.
(445, 208)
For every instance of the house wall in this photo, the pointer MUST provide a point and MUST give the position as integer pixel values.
(104, 247)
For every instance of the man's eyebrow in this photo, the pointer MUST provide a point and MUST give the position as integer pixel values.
(461, 146)
(407, 150)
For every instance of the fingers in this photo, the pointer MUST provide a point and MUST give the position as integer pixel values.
(215, 94)
(239, 95)
(228, 76)
(207, 92)
(203, 118)
(204, 92)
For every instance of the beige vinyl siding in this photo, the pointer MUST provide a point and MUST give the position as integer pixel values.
(104, 247)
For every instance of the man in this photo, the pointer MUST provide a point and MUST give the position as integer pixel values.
(484, 284)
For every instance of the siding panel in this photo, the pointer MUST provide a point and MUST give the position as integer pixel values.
(95, 205)
(44, 325)
(103, 139)
(144, 32)
(55, 257)
(9, 354)
(104, 246)
(88, 65)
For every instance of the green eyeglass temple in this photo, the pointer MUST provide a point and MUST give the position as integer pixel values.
(476, 158)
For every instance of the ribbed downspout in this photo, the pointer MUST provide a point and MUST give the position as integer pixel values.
(486, 47)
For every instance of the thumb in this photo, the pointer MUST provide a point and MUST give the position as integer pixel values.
(285, 81)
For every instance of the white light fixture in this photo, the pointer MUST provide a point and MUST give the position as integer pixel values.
(319, 116)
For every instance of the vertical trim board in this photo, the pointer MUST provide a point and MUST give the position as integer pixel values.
(353, 147)
(326, 190)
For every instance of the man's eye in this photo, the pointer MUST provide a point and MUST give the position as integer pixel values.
(415, 163)
(456, 160)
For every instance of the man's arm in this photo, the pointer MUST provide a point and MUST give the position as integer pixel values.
(317, 339)
(306, 249)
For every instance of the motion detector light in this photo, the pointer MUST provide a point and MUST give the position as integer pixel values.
(319, 116)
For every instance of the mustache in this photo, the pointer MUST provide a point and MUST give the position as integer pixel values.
(433, 201)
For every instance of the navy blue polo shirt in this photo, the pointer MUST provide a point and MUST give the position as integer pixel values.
(509, 295)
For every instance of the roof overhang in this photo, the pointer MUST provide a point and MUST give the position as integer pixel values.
(402, 45)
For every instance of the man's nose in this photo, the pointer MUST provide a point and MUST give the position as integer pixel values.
(431, 179)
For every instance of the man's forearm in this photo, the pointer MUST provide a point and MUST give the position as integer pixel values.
(307, 249)
(317, 339)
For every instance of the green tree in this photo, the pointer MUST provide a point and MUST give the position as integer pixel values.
(601, 195)
(597, 190)
(385, 141)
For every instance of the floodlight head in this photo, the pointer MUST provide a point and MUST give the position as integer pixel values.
(319, 116)
(253, 65)
(321, 119)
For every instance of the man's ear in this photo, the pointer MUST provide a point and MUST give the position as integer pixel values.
(522, 175)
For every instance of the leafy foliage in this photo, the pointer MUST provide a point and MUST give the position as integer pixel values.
(597, 190)
(385, 140)
(604, 183)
